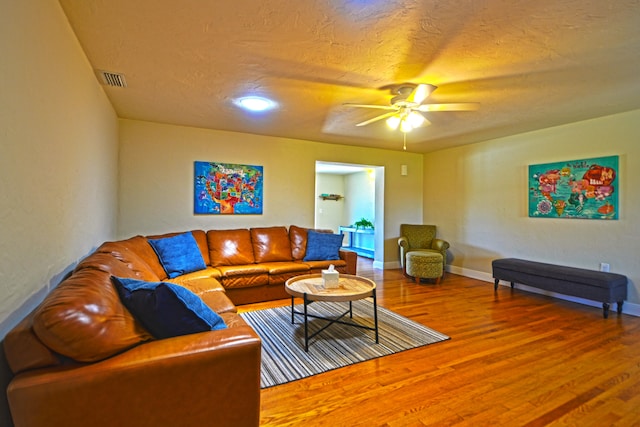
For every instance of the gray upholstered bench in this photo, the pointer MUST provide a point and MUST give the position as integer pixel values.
(594, 285)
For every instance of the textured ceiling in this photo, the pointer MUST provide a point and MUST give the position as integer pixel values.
(530, 64)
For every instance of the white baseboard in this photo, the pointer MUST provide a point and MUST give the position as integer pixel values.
(386, 265)
(627, 308)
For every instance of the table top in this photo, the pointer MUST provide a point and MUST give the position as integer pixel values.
(350, 288)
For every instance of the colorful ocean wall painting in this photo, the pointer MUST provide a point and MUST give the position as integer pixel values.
(585, 189)
(227, 189)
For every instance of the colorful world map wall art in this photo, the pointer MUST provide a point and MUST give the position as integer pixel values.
(227, 189)
(585, 189)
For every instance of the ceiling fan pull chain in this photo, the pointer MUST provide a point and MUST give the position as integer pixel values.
(404, 146)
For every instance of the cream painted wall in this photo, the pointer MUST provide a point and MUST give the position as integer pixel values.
(477, 196)
(156, 179)
(361, 204)
(329, 213)
(58, 159)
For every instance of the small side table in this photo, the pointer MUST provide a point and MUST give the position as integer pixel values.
(311, 288)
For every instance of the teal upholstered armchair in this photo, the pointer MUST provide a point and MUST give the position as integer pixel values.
(421, 238)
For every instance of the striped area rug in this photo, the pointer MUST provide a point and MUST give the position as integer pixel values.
(283, 355)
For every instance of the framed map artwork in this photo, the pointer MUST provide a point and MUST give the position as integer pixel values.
(585, 188)
(227, 189)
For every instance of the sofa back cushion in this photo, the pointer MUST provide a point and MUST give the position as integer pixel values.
(271, 244)
(84, 319)
(298, 239)
(230, 247)
(132, 266)
(133, 251)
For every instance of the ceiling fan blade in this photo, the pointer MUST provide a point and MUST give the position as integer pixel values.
(459, 106)
(380, 107)
(375, 119)
(420, 93)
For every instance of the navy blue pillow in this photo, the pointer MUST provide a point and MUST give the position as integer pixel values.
(178, 254)
(322, 246)
(165, 309)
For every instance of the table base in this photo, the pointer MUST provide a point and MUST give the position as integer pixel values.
(331, 320)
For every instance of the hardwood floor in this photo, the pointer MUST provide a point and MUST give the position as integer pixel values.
(514, 359)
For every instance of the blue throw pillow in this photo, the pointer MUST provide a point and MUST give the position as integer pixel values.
(322, 246)
(178, 254)
(165, 309)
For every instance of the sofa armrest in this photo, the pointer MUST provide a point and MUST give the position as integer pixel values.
(352, 260)
(209, 378)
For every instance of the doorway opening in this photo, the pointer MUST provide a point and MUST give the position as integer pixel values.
(349, 198)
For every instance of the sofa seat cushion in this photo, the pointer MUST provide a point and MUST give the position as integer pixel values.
(242, 270)
(239, 276)
(280, 272)
(84, 319)
(166, 309)
(245, 281)
(286, 267)
(316, 266)
(230, 247)
(271, 244)
(200, 286)
(218, 302)
(178, 254)
(207, 273)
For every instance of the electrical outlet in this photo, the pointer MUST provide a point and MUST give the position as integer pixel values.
(604, 266)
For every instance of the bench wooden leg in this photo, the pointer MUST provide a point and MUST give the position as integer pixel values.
(620, 307)
(605, 310)
(495, 286)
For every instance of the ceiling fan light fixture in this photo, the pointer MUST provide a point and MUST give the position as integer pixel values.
(393, 122)
(405, 126)
(415, 119)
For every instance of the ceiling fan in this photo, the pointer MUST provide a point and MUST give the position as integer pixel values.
(407, 106)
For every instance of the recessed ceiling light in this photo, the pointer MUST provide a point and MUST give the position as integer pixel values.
(255, 103)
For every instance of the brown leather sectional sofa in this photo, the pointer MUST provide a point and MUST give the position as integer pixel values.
(82, 359)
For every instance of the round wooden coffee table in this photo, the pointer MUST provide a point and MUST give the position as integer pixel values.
(311, 288)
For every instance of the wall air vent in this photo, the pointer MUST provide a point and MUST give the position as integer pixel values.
(111, 79)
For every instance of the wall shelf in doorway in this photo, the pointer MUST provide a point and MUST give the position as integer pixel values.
(335, 197)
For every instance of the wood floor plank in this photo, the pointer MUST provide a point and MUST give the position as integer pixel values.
(514, 358)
